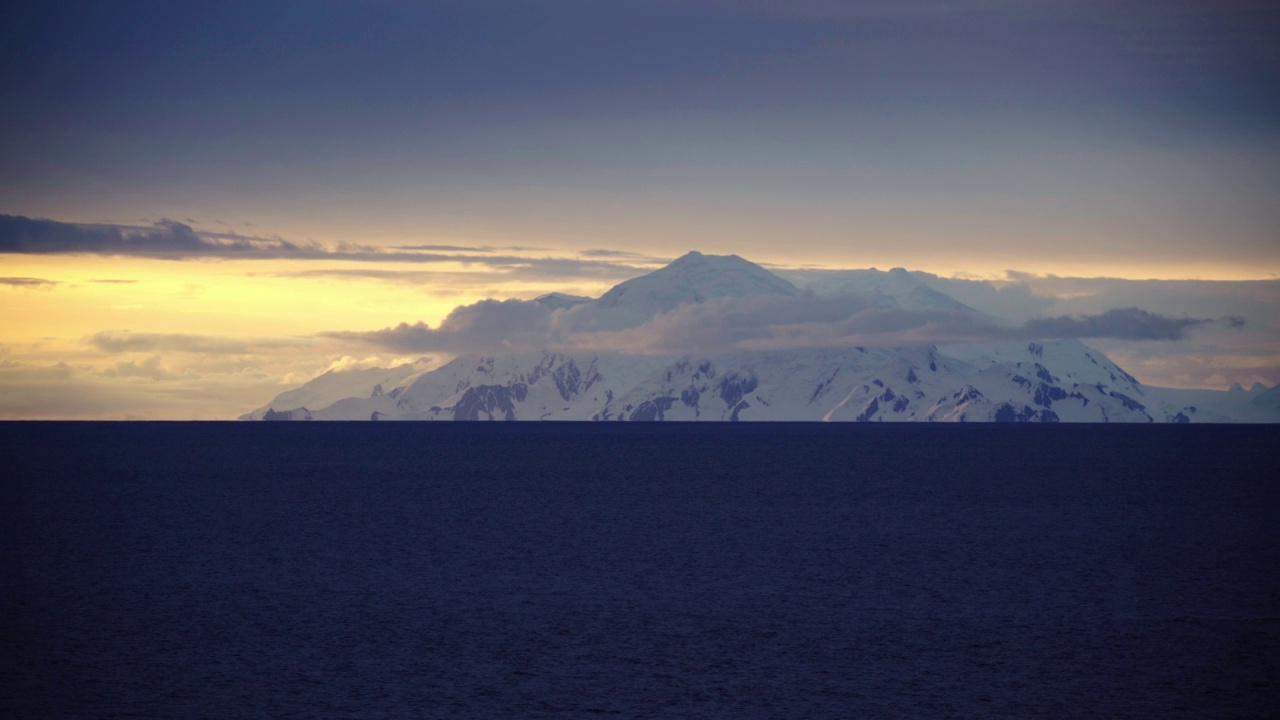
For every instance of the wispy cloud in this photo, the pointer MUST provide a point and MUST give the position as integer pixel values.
(1124, 323)
(468, 249)
(164, 239)
(625, 255)
(503, 267)
(122, 341)
(173, 240)
(27, 282)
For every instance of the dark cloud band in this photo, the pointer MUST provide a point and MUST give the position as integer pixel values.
(27, 282)
(172, 240)
(1124, 324)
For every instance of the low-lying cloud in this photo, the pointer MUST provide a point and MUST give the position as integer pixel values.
(489, 326)
(739, 323)
(151, 368)
(1126, 323)
(124, 341)
(27, 282)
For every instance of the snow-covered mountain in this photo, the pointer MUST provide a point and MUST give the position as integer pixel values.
(1061, 381)
(333, 391)
(894, 288)
(558, 300)
(1053, 381)
(694, 278)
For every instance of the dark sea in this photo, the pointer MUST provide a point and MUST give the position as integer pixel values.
(378, 570)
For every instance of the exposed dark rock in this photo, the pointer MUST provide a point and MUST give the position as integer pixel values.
(1043, 373)
(1006, 412)
(734, 386)
(490, 400)
(654, 409)
(295, 414)
(1128, 402)
(568, 380)
(1046, 394)
(816, 392)
(869, 411)
(689, 396)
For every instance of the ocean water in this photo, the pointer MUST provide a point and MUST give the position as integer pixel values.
(192, 570)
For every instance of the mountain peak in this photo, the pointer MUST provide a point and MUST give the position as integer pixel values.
(558, 300)
(694, 278)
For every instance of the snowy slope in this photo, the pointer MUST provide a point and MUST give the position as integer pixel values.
(693, 278)
(895, 288)
(332, 388)
(1215, 406)
(1062, 381)
(919, 384)
(557, 300)
(529, 386)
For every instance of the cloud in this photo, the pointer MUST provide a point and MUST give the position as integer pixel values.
(113, 281)
(347, 362)
(13, 372)
(27, 282)
(163, 239)
(150, 369)
(120, 341)
(172, 240)
(634, 256)
(1125, 323)
(739, 323)
(489, 326)
(466, 249)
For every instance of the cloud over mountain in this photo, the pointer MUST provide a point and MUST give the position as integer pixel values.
(755, 322)
(484, 327)
(1125, 323)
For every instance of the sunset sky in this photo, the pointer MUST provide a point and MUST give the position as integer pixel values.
(196, 197)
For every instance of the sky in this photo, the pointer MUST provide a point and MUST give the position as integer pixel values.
(202, 203)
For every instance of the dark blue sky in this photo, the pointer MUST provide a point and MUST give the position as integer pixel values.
(1142, 130)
